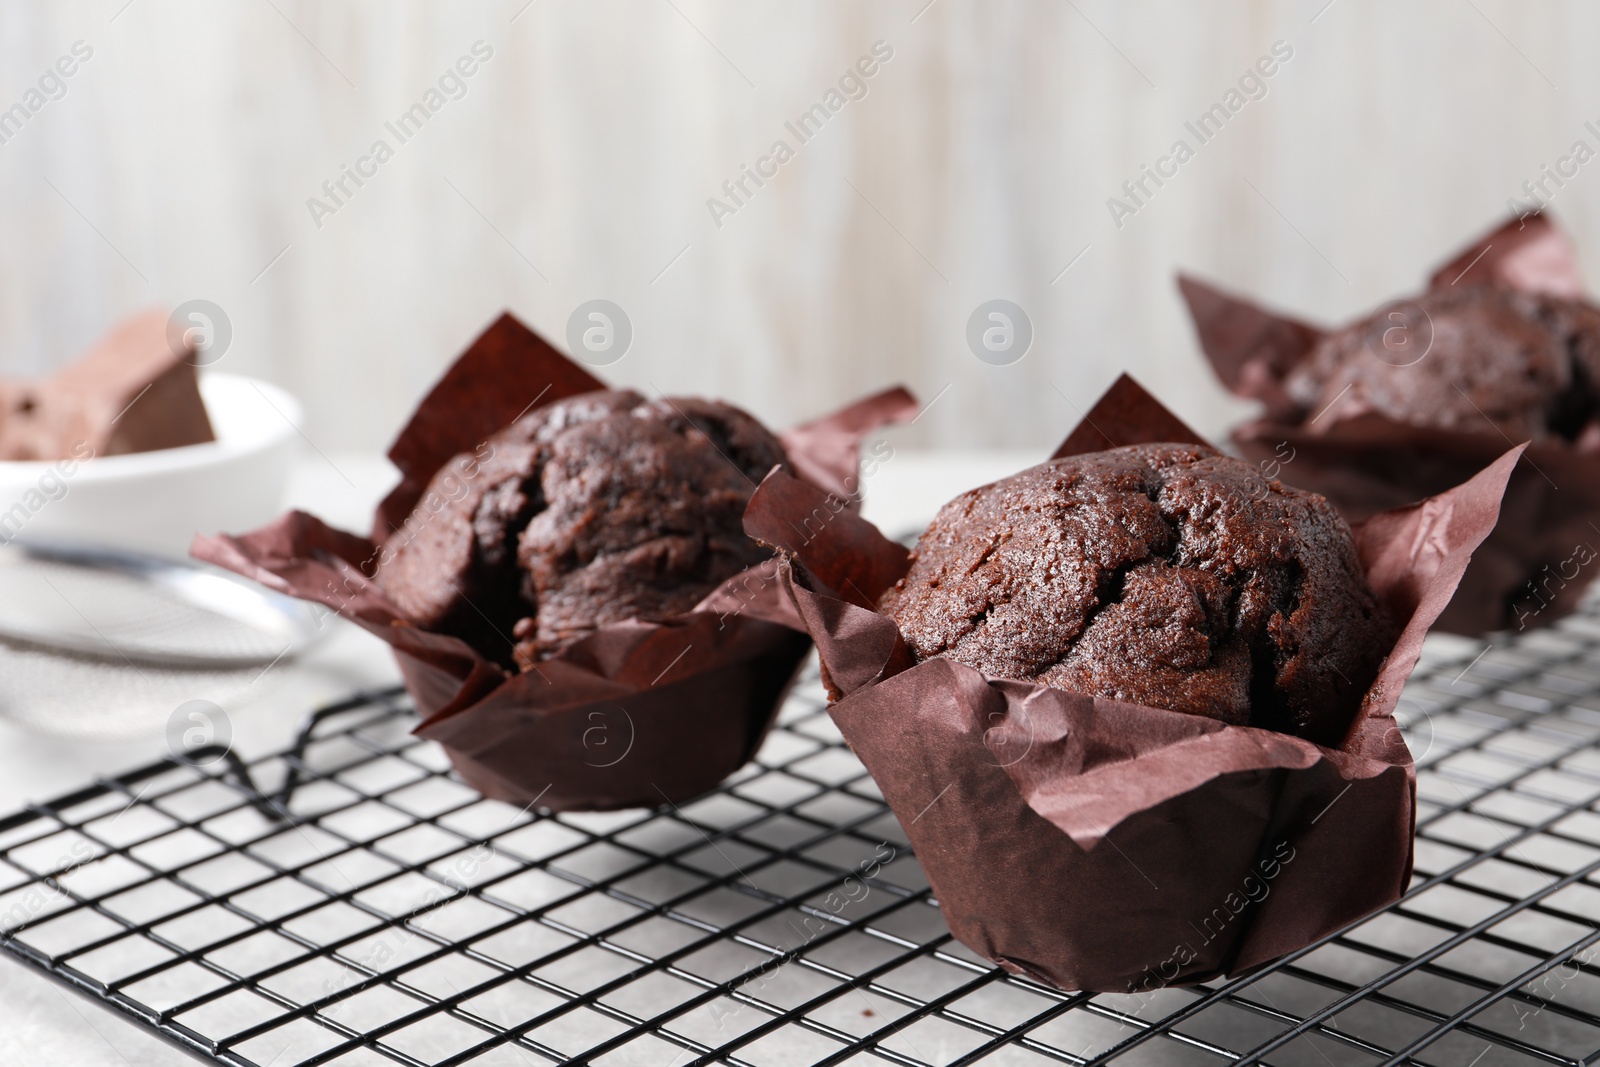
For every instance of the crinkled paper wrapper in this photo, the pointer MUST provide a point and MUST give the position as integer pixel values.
(638, 713)
(1112, 847)
(1530, 571)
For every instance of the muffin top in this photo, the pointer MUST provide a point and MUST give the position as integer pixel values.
(588, 511)
(1166, 575)
(1525, 363)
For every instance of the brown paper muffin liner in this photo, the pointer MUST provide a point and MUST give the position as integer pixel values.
(638, 713)
(1112, 847)
(1532, 568)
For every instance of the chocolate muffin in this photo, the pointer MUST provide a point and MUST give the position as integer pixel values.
(589, 511)
(1527, 363)
(1165, 575)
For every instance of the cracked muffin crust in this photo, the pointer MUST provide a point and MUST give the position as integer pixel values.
(1166, 575)
(1527, 363)
(588, 511)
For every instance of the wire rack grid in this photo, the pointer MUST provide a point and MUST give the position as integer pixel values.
(348, 901)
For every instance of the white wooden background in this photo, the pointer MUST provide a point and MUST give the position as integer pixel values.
(578, 165)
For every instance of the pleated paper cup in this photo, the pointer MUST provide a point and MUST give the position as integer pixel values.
(639, 713)
(1114, 847)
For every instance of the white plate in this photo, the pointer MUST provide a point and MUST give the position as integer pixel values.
(157, 501)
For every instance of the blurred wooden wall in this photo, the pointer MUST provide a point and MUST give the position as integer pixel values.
(579, 162)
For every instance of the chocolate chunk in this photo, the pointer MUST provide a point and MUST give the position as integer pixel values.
(130, 393)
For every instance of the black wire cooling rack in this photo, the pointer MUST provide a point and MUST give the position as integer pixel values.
(348, 901)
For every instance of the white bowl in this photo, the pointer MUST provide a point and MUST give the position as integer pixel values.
(157, 501)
